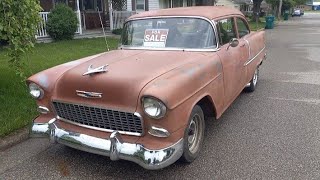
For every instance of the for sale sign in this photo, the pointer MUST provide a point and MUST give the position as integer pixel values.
(155, 37)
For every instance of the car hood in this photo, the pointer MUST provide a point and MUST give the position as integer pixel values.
(128, 72)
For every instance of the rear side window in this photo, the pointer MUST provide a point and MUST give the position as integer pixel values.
(226, 30)
(242, 28)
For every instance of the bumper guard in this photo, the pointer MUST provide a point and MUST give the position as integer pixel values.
(114, 147)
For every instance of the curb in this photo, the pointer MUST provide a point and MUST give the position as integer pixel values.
(14, 138)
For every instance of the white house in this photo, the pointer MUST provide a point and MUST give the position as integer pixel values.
(111, 12)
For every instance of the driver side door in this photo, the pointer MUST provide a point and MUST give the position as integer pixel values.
(231, 59)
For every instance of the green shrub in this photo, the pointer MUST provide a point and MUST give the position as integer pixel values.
(62, 22)
(117, 31)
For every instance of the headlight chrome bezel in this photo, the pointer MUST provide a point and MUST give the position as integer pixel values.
(162, 108)
(35, 87)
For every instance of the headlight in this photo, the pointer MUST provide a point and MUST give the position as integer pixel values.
(153, 107)
(35, 91)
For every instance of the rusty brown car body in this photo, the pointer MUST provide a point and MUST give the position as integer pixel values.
(148, 104)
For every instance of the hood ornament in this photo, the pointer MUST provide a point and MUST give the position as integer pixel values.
(92, 70)
(86, 94)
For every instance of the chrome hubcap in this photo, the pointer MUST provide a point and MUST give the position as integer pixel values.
(194, 133)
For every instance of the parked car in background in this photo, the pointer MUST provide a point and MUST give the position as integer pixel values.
(147, 101)
(296, 12)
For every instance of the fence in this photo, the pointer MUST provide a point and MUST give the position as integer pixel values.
(42, 32)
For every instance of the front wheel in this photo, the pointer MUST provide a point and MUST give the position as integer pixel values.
(251, 86)
(194, 135)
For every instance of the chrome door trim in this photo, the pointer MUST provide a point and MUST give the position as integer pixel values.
(250, 60)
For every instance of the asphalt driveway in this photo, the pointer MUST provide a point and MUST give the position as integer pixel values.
(273, 133)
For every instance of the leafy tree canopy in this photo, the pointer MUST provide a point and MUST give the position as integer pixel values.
(287, 3)
(18, 24)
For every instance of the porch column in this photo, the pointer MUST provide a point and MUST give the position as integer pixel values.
(110, 14)
(79, 18)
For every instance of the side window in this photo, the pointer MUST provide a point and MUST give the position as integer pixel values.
(226, 30)
(242, 28)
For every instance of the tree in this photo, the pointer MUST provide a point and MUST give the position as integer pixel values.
(280, 8)
(256, 9)
(285, 5)
(18, 24)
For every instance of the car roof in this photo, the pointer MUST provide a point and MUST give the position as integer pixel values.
(210, 12)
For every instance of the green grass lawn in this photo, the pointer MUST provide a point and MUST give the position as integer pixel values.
(17, 108)
(256, 26)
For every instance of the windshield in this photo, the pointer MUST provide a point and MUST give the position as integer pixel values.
(182, 32)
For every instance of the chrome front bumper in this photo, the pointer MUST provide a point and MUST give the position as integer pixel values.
(114, 147)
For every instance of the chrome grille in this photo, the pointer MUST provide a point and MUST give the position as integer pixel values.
(100, 119)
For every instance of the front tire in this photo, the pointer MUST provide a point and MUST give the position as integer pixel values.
(253, 83)
(194, 135)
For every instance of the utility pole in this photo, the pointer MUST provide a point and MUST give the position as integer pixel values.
(279, 11)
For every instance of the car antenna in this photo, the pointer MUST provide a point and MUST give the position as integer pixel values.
(104, 33)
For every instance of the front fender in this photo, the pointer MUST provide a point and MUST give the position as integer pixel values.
(180, 84)
(181, 88)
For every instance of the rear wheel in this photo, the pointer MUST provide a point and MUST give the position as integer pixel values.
(194, 135)
(251, 86)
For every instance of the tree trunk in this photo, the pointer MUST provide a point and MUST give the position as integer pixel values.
(279, 11)
(256, 10)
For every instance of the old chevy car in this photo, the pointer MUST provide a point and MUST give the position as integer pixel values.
(147, 101)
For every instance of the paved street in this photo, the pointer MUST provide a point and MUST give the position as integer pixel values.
(273, 133)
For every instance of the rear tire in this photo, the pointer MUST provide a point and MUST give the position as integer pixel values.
(254, 81)
(193, 135)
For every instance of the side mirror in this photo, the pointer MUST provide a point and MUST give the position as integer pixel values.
(234, 42)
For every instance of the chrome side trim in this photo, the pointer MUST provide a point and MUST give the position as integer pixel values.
(114, 146)
(101, 129)
(176, 49)
(250, 60)
(158, 132)
(249, 49)
(43, 110)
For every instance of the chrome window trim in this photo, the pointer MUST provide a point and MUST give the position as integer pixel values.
(211, 22)
(250, 60)
(96, 128)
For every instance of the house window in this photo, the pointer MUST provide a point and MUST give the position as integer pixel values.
(140, 5)
(172, 3)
